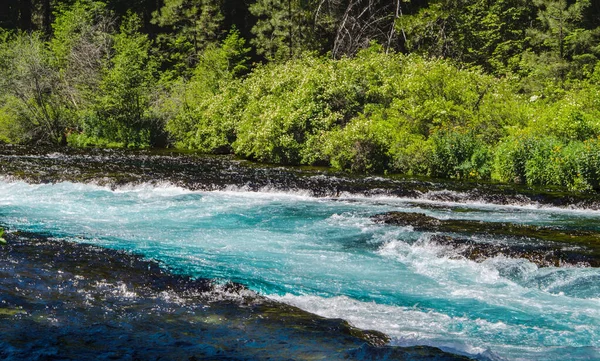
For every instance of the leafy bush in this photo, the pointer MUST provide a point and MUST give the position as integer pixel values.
(589, 165)
(361, 146)
(290, 104)
(567, 166)
(542, 163)
(576, 116)
(549, 161)
(202, 112)
(458, 154)
(373, 113)
(435, 95)
(510, 159)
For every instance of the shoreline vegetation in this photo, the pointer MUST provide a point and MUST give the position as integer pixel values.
(503, 91)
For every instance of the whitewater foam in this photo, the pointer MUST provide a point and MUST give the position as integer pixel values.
(325, 255)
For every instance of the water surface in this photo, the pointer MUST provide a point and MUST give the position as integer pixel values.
(325, 255)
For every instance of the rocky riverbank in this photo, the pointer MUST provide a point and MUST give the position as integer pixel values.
(67, 301)
(201, 172)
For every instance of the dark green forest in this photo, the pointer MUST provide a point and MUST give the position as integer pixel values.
(503, 90)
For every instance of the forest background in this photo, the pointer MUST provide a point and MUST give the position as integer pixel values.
(504, 90)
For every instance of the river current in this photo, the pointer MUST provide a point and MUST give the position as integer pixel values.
(327, 256)
(309, 239)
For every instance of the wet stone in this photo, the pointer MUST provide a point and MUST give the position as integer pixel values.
(540, 254)
(193, 171)
(71, 301)
(544, 246)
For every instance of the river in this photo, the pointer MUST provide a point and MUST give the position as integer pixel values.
(321, 251)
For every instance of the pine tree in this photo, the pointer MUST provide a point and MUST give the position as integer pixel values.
(487, 33)
(123, 109)
(191, 26)
(562, 47)
(283, 29)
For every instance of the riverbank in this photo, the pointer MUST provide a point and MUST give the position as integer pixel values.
(61, 300)
(193, 171)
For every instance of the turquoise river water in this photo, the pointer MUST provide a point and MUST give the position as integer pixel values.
(326, 256)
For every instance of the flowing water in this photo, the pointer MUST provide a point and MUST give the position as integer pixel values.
(327, 256)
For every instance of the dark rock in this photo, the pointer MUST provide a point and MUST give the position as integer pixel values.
(205, 172)
(368, 353)
(68, 301)
(540, 254)
(545, 246)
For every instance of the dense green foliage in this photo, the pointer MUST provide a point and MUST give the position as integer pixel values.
(503, 90)
(122, 112)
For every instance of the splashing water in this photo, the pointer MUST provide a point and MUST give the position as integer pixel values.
(326, 256)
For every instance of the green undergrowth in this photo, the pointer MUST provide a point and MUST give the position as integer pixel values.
(377, 112)
(394, 113)
(485, 91)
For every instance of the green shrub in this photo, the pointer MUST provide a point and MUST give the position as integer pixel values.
(361, 146)
(290, 104)
(548, 161)
(435, 95)
(542, 166)
(510, 159)
(11, 129)
(567, 164)
(575, 116)
(209, 123)
(410, 154)
(285, 106)
(589, 165)
(458, 154)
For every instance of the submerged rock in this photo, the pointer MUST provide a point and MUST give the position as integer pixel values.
(544, 246)
(61, 300)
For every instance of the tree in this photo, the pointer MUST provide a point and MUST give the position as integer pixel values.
(9, 14)
(486, 33)
(495, 33)
(123, 111)
(283, 29)
(33, 109)
(562, 47)
(191, 25)
(81, 46)
(27, 15)
(222, 63)
(364, 21)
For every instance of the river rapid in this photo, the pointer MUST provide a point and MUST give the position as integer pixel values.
(306, 238)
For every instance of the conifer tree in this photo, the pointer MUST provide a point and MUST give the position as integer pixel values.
(123, 110)
(283, 28)
(191, 25)
(562, 47)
